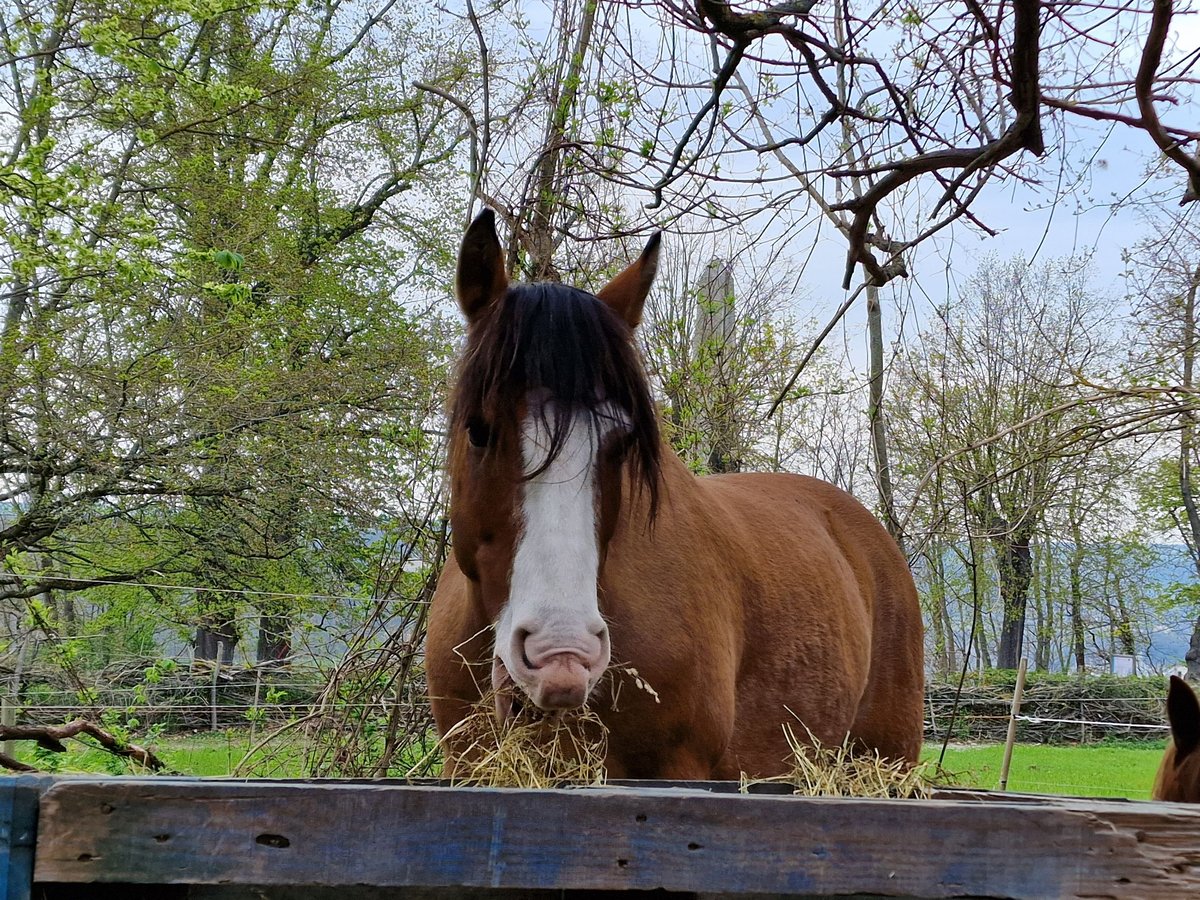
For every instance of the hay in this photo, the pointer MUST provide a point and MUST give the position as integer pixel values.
(845, 770)
(533, 749)
(537, 749)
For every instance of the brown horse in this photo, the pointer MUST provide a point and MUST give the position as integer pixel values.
(743, 601)
(1179, 773)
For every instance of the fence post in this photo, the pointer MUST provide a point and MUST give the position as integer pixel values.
(216, 675)
(8, 717)
(1012, 725)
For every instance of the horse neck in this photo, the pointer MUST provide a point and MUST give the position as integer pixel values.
(679, 499)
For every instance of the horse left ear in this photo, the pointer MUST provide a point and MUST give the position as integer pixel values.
(1183, 712)
(626, 294)
(480, 278)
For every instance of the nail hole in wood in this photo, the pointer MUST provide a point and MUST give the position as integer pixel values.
(106, 808)
(622, 863)
(694, 846)
(273, 840)
(640, 817)
(162, 838)
(85, 857)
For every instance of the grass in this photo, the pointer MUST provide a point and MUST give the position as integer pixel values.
(202, 753)
(218, 753)
(1091, 770)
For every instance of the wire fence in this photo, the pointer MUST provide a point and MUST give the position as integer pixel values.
(217, 697)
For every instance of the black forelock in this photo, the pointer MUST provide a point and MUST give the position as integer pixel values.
(566, 343)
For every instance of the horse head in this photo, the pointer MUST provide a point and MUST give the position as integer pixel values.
(551, 420)
(1179, 773)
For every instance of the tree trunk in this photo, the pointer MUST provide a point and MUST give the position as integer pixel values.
(879, 443)
(1015, 564)
(1126, 639)
(216, 637)
(937, 601)
(716, 326)
(1045, 611)
(1076, 577)
(274, 639)
(951, 644)
(981, 647)
(536, 228)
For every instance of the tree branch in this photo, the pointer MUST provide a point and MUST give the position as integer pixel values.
(1143, 86)
(50, 737)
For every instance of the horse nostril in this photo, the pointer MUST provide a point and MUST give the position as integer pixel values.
(520, 636)
(601, 634)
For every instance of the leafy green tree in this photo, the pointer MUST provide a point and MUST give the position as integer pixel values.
(220, 224)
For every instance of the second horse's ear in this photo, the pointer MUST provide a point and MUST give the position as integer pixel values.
(1183, 712)
(480, 279)
(626, 294)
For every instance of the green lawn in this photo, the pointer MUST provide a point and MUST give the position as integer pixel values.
(1095, 770)
(217, 753)
(203, 753)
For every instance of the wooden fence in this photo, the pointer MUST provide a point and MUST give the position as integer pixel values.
(170, 838)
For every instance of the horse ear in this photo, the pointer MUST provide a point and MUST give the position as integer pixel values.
(626, 294)
(1183, 712)
(480, 278)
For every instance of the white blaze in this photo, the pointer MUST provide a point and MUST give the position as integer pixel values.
(553, 590)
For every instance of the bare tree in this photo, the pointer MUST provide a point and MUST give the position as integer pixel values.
(989, 400)
(1166, 274)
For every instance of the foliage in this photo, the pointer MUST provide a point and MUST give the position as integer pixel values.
(197, 292)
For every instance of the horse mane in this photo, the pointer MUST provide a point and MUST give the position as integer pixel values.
(563, 341)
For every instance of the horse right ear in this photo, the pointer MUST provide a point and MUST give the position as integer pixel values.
(1183, 712)
(480, 278)
(626, 294)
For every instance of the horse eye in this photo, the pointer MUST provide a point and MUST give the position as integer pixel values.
(479, 433)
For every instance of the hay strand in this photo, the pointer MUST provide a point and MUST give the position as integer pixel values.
(844, 770)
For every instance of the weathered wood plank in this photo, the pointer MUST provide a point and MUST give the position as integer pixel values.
(349, 892)
(206, 832)
(18, 832)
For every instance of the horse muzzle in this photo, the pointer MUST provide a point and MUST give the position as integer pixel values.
(559, 681)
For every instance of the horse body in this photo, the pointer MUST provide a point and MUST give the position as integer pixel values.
(743, 602)
(754, 600)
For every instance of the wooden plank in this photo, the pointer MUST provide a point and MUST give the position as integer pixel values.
(18, 832)
(259, 833)
(361, 892)
(345, 892)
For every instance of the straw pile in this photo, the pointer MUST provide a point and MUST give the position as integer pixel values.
(537, 749)
(533, 749)
(845, 770)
